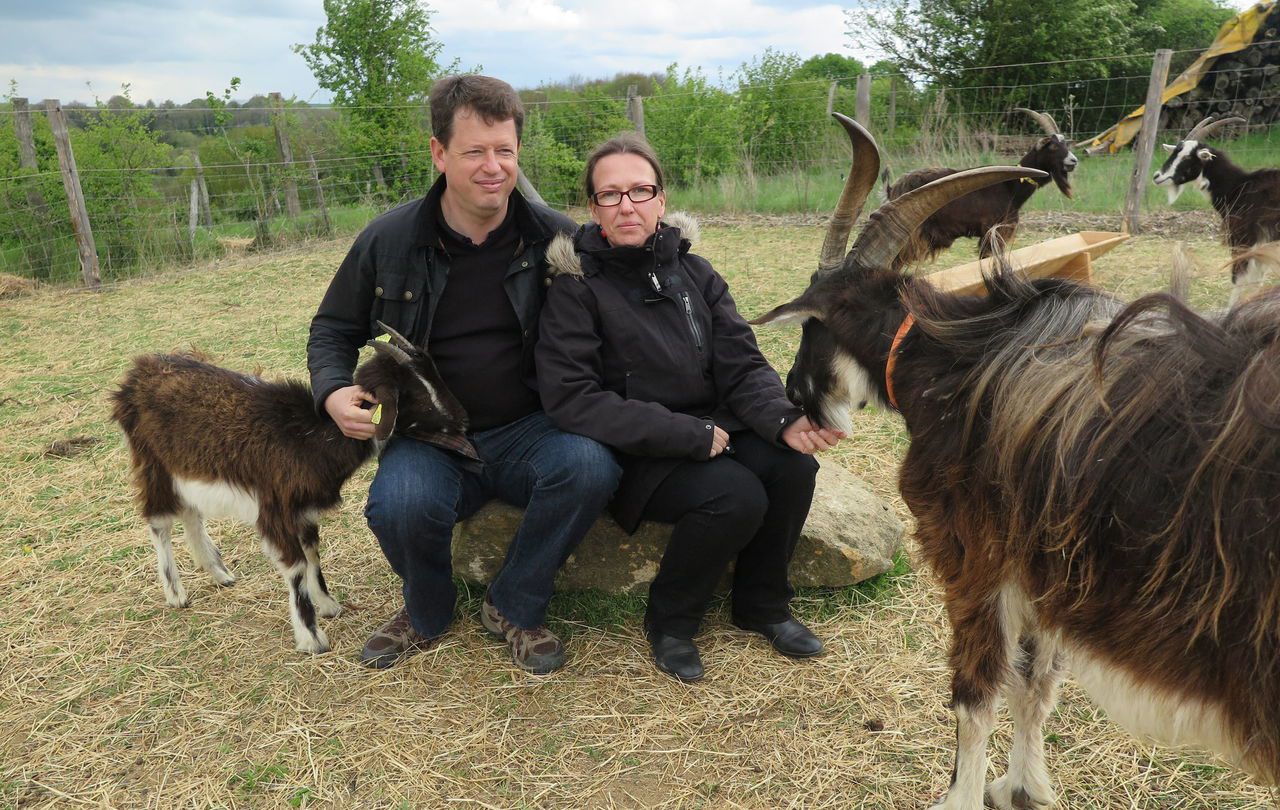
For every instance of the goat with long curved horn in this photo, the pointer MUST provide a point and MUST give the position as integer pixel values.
(842, 361)
(1209, 126)
(1045, 120)
(857, 185)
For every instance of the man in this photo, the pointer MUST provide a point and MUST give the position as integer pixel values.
(462, 272)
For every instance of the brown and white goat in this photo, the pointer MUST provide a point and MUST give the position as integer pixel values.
(1248, 202)
(207, 442)
(1096, 487)
(996, 206)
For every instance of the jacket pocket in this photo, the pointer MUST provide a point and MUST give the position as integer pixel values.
(397, 301)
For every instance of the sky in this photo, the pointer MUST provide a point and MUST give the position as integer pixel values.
(178, 49)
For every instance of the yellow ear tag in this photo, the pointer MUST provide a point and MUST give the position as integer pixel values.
(376, 418)
(384, 337)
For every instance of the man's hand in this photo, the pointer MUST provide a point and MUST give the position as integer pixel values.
(343, 406)
(804, 437)
(719, 441)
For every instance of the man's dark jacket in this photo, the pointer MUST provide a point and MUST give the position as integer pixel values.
(396, 272)
(642, 349)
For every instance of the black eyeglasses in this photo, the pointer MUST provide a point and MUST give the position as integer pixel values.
(639, 194)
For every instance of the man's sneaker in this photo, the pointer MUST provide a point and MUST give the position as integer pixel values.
(537, 650)
(392, 640)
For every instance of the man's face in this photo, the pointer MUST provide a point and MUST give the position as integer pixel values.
(479, 164)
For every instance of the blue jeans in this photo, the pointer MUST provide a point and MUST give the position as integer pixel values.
(562, 480)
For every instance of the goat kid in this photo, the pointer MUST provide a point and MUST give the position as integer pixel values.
(1095, 486)
(990, 211)
(207, 442)
(1248, 202)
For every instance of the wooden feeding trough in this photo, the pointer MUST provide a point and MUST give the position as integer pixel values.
(1065, 257)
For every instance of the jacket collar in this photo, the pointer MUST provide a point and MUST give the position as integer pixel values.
(661, 247)
(531, 226)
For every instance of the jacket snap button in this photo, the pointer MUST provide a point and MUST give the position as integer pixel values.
(547, 282)
(408, 296)
(377, 291)
(708, 427)
(524, 264)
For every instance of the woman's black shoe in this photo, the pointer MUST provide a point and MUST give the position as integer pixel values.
(678, 657)
(791, 638)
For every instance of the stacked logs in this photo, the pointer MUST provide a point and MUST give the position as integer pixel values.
(1245, 83)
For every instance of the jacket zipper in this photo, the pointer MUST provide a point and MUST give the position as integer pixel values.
(693, 325)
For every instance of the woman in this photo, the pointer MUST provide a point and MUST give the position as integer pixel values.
(641, 348)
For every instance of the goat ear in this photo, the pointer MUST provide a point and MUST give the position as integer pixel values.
(794, 312)
(388, 401)
(1205, 155)
(1170, 147)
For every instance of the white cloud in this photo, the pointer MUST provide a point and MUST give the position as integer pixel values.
(503, 15)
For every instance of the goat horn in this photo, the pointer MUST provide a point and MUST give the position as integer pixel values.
(861, 179)
(1208, 126)
(892, 224)
(394, 352)
(398, 339)
(1045, 120)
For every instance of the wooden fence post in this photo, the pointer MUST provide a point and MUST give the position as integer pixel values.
(206, 216)
(831, 98)
(862, 106)
(893, 105)
(27, 160)
(1146, 141)
(324, 209)
(75, 196)
(635, 108)
(194, 218)
(27, 148)
(286, 153)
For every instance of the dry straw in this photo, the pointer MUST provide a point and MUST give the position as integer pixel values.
(110, 699)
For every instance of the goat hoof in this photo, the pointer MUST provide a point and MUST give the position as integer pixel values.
(1003, 795)
(313, 644)
(177, 599)
(224, 578)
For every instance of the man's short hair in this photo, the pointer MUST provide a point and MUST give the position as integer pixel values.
(492, 99)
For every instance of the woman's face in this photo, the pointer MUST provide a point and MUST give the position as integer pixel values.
(627, 223)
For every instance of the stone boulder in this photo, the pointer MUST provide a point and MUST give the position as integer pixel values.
(851, 535)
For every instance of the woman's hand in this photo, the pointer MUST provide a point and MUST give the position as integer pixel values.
(805, 437)
(719, 441)
(343, 406)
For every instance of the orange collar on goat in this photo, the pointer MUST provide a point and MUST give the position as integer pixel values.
(903, 329)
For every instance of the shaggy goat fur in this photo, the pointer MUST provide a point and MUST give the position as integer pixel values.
(209, 442)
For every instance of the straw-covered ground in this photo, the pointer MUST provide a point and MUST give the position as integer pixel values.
(108, 698)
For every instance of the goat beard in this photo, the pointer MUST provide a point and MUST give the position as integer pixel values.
(1063, 181)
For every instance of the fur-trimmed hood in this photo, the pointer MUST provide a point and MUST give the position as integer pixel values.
(562, 253)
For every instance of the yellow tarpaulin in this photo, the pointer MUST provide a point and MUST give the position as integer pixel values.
(1236, 34)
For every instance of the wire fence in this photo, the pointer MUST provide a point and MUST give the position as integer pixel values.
(180, 184)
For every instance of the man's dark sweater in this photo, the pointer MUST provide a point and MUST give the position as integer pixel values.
(476, 340)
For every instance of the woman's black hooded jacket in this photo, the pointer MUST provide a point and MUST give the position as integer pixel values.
(642, 349)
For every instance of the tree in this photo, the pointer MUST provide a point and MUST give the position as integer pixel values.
(782, 115)
(1004, 53)
(378, 58)
(693, 127)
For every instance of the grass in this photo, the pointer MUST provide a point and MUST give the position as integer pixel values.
(109, 698)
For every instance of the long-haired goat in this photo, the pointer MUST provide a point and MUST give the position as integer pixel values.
(1097, 487)
(995, 206)
(1248, 202)
(209, 442)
